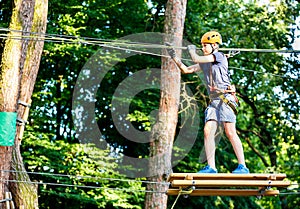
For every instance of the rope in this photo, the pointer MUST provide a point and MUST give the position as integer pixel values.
(89, 177)
(82, 186)
(182, 192)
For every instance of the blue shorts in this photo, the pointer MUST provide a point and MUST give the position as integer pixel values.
(220, 111)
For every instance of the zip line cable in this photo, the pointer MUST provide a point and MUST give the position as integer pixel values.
(125, 45)
(97, 41)
(76, 40)
(84, 177)
(81, 186)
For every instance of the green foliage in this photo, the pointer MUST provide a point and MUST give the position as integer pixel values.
(77, 175)
(267, 84)
(6, 12)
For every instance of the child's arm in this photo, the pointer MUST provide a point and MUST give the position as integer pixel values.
(199, 59)
(183, 68)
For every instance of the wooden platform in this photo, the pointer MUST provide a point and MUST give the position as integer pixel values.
(225, 176)
(226, 192)
(226, 184)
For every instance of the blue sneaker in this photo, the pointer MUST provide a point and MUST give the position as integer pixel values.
(208, 169)
(241, 169)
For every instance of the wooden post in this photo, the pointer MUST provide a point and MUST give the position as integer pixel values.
(12, 205)
(7, 200)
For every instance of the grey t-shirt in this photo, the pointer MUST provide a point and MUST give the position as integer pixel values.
(220, 75)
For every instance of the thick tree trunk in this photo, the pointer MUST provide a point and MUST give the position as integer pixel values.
(20, 64)
(163, 131)
(9, 85)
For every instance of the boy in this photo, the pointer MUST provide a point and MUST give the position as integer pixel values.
(222, 108)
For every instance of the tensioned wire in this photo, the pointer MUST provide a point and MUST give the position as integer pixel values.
(83, 186)
(97, 41)
(55, 38)
(126, 45)
(104, 179)
(84, 177)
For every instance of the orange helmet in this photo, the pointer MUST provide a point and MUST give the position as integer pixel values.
(211, 38)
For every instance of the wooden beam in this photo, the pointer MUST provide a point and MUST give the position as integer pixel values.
(227, 176)
(226, 192)
(229, 183)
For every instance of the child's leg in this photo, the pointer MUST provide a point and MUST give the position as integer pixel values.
(210, 129)
(231, 134)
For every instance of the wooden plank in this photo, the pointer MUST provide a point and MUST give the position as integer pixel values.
(227, 192)
(227, 176)
(229, 183)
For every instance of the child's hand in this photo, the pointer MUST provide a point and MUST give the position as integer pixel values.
(191, 48)
(170, 51)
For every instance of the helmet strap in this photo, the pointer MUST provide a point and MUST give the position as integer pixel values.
(213, 49)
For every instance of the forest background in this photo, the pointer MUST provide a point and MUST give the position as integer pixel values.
(71, 176)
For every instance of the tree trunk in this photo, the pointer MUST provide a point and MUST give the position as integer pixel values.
(20, 64)
(163, 132)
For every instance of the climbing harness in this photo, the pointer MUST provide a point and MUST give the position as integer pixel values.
(221, 93)
(232, 53)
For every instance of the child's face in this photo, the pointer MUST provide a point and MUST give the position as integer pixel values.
(207, 48)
